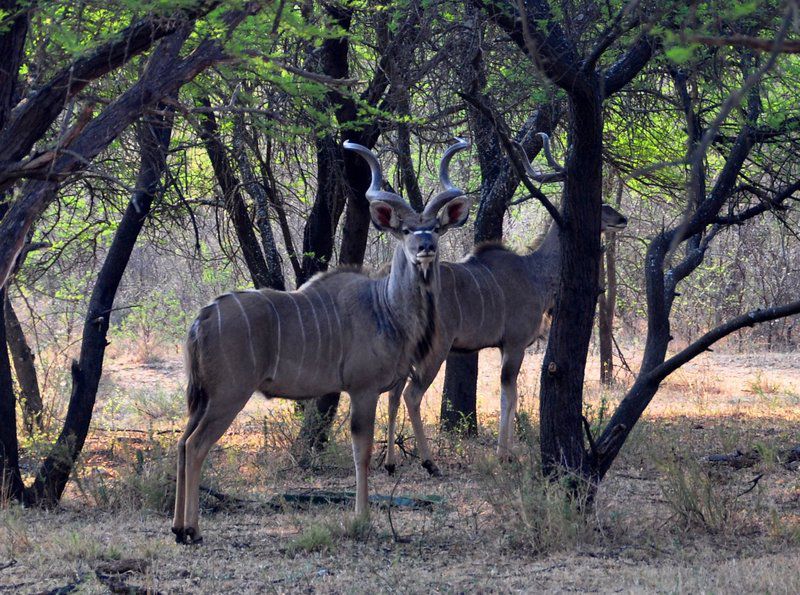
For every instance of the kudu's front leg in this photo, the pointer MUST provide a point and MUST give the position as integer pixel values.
(390, 464)
(413, 394)
(362, 431)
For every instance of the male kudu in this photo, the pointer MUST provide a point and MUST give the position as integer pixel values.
(341, 331)
(493, 298)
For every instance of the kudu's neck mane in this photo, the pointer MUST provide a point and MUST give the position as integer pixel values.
(411, 302)
(544, 256)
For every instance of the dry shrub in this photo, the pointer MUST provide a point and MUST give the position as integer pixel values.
(696, 498)
(542, 514)
(145, 479)
(280, 429)
(13, 531)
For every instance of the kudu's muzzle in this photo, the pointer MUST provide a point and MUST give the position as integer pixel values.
(426, 252)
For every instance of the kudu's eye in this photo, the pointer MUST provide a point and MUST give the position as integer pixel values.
(406, 232)
(437, 229)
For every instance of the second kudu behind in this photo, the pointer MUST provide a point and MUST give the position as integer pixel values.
(493, 298)
(341, 331)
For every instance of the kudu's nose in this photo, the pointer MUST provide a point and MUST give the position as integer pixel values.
(427, 247)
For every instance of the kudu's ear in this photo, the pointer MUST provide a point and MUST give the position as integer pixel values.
(454, 213)
(384, 216)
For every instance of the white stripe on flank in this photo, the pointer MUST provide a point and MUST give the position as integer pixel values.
(278, 320)
(341, 337)
(480, 295)
(455, 294)
(328, 319)
(302, 340)
(219, 329)
(249, 329)
(499, 290)
(315, 363)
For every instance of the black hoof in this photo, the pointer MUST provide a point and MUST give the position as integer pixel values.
(390, 468)
(180, 534)
(191, 538)
(431, 468)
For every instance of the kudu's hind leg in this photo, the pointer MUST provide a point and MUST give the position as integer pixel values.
(512, 361)
(390, 464)
(215, 421)
(413, 398)
(362, 431)
(180, 478)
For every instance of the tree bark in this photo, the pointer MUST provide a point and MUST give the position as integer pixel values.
(30, 398)
(254, 188)
(561, 396)
(459, 394)
(52, 476)
(605, 310)
(607, 301)
(11, 485)
(232, 197)
(12, 46)
(540, 35)
(336, 193)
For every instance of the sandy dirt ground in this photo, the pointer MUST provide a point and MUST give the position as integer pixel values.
(664, 520)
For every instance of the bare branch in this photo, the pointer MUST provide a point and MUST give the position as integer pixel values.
(751, 318)
(609, 36)
(787, 46)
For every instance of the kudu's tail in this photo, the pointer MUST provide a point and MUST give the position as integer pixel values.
(196, 396)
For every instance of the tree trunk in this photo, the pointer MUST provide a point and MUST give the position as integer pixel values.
(51, 479)
(561, 396)
(12, 45)
(10, 479)
(320, 229)
(259, 195)
(459, 396)
(606, 306)
(232, 198)
(22, 356)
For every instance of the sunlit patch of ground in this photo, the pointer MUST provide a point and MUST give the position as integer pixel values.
(664, 520)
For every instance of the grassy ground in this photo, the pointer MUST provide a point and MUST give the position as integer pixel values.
(665, 520)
